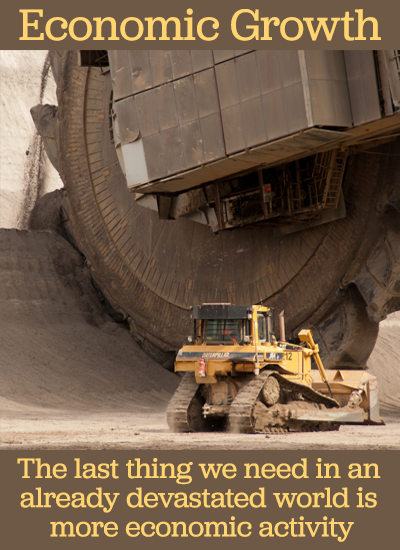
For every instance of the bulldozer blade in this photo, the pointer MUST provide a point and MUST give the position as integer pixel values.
(344, 382)
(334, 415)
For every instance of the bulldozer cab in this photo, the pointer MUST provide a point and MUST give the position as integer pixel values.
(225, 324)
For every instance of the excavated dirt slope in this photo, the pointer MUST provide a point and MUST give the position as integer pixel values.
(59, 350)
(384, 362)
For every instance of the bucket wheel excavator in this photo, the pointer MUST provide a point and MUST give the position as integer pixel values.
(246, 177)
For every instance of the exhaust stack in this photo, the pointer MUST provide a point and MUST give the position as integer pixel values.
(282, 337)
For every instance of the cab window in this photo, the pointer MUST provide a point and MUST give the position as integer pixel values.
(261, 328)
(223, 331)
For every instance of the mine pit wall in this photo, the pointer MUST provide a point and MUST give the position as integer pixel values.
(26, 173)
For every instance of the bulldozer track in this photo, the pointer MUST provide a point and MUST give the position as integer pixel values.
(306, 391)
(181, 418)
(241, 411)
(177, 411)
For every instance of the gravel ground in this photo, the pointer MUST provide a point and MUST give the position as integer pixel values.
(28, 428)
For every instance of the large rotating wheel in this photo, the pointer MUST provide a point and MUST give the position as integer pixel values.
(339, 279)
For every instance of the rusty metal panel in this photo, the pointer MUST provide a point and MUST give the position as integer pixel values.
(247, 76)
(223, 55)
(127, 122)
(233, 127)
(342, 103)
(269, 71)
(201, 60)
(181, 63)
(361, 77)
(120, 74)
(250, 97)
(154, 155)
(213, 141)
(290, 67)
(242, 52)
(275, 114)
(231, 112)
(282, 93)
(322, 101)
(240, 99)
(295, 108)
(327, 82)
(192, 144)
(187, 138)
(152, 68)
(209, 113)
(227, 84)
(171, 141)
(166, 106)
(140, 70)
(185, 99)
(146, 108)
(254, 126)
(161, 68)
(338, 65)
(206, 93)
(323, 65)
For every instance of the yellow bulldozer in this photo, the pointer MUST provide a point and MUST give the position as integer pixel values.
(240, 377)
